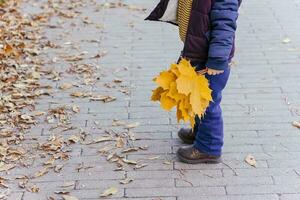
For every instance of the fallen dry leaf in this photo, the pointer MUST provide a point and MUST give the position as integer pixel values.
(6, 133)
(74, 139)
(102, 139)
(120, 142)
(68, 184)
(110, 191)
(296, 124)
(6, 167)
(132, 162)
(34, 189)
(75, 109)
(66, 86)
(58, 168)
(126, 181)
(250, 160)
(104, 98)
(41, 172)
(133, 149)
(139, 166)
(68, 197)
(133, 125)
(286, 40)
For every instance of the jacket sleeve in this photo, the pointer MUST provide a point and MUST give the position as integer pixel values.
(223, 18)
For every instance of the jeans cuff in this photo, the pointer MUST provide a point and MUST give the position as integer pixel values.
(210, 152)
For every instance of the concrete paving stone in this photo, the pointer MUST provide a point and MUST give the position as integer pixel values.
(231, 164)
(14, 195)
(290, 197)
(164, 192)
(233, 197)
(82, 176)
(262, 189)
(264, 140)
(253, 172)
(227, 181)
(139, 183)
(268, 126)
(139, 174)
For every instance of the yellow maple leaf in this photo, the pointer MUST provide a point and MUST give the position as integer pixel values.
(183, 88)
(157, 94)
(192, 121)
(185, 68)
(195, 98)
(174, 69)
(184, 109)
(167, 103)
(173, 92)
(185, 84)
(164, 79)
(179, 114)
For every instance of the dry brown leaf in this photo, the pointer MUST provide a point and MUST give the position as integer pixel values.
(74, 139)
(58, 168)
(39, 113)
(126, 181)
(120, 142)
(77, 94)
(110, 156)
(118, 123)
(68, 197)
(6, 133)
(286, 40)
(4, 194)
(296, 124)
(153, 158)
(6, 167)
(62, 192)
(133, 125)
(68, 184)
(167, 163)
(110, 191)
(34, 189)
(35, 75)
(42, 172)
(250, 160)
(102, 139)
(3, 182)
(131, 162)
(75, 109)
(139, 166)
(66, 86)
(131, 135)
(117, 80)
(104, 98)
(133, 149)
(50, 161)
(105, 149)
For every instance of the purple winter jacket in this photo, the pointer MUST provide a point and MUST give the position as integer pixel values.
(211, 31)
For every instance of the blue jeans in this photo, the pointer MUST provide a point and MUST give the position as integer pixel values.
(209, 129)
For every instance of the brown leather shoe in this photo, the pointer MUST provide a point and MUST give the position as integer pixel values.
(191, 155)
(187, 135)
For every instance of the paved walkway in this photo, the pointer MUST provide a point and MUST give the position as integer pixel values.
(260, 104)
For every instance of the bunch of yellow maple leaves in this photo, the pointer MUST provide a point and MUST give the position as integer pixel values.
(183, 87)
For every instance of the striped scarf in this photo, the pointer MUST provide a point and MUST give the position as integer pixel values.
(183, 15)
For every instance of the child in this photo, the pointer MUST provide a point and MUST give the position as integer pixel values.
(208, 44)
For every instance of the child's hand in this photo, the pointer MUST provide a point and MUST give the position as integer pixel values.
(214, 72)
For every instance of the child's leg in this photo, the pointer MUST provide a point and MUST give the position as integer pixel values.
(209, 136)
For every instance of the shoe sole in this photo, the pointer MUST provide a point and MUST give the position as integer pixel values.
(207, 161)
(186, 141)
